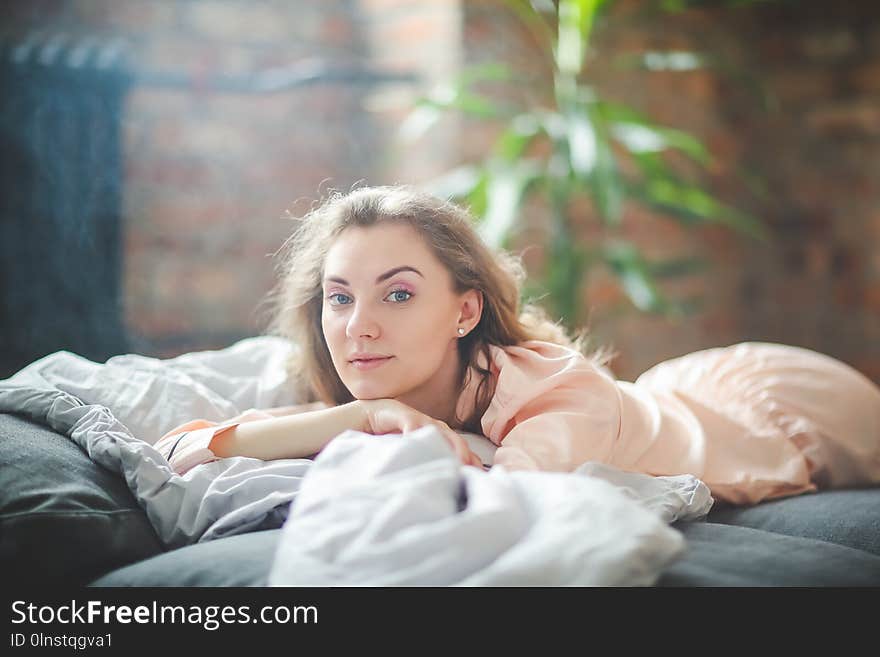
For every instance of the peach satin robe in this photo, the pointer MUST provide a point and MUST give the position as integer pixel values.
(753, 421)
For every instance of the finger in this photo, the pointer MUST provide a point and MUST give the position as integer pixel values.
(470, 457)
(459, 445)
(452, 439)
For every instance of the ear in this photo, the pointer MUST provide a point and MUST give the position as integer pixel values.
(470, 309)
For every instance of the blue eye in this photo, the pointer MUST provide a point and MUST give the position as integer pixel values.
(391, 295)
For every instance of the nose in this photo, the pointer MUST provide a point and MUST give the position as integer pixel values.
(361, 324)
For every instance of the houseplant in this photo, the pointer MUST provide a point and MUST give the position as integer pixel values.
(568, 142)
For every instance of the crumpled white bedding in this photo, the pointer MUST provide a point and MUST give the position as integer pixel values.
(370, 510)
(392, 511)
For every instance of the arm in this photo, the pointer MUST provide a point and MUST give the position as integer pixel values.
(250, 415)
(297, 435)
(289, 436)
(280, 411)
(259, 434)
(306, 433)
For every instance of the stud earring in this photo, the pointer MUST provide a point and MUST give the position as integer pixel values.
(460, 331)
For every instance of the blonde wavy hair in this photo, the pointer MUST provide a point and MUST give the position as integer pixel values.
(295, 302)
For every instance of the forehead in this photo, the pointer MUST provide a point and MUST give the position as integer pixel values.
(382, 246)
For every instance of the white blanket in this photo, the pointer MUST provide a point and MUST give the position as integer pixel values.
(370, 510)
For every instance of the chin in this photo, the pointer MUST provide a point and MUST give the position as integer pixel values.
(369, 390)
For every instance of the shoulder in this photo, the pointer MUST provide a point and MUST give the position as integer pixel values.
(528, 374)
(533, 367)
(537, 356)
(536, 379)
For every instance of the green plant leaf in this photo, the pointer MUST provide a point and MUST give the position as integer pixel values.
(608, 188)
(419, 120)
(630, 268)
(457, 183)
(582, 135)
(518, 135)
(506, 183)
(576, 19)
(638, 276)
(564, 277)
(533, 18)
(485, 72)
(694, 205)
(586, 134)
(643, 138)
(582, 143)
(639, 288)
(640, 135)
(477, 197)
(428, 111)
(554, 124)
(457, 95)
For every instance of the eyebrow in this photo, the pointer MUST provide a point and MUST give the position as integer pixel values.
(381, 277)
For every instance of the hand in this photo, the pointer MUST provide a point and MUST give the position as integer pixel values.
(391, 416)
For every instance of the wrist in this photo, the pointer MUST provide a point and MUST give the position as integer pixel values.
(361, 411)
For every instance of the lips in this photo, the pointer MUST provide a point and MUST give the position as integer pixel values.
(369, 362)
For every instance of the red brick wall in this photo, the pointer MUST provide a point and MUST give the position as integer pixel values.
(209, 175)
(212, 175)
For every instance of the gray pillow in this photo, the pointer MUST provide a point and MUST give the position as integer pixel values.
(63, 518)
(242, 560)
(846, 517)
(716, 555)
(726, 555)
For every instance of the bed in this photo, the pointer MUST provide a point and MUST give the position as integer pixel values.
(70, 517)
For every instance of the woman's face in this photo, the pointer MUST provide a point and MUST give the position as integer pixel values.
(390, 315)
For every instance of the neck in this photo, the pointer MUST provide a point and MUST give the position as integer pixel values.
(439, 396)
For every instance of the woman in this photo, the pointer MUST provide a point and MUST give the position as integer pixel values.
(404, 318)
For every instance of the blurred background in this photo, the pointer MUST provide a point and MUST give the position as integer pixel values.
(676, 174)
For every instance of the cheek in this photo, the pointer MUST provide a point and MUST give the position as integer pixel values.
(334, 333)
(422, 329)
(423, 338)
